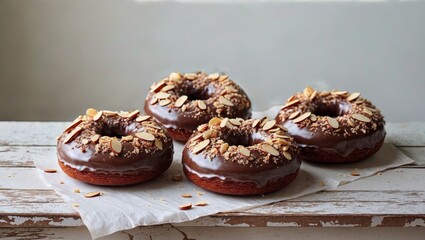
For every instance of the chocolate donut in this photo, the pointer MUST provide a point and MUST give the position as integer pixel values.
(111, 148)
(183, 102)
(241, 157)
(334, 126)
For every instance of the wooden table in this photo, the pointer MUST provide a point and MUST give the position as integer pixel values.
(395, 198)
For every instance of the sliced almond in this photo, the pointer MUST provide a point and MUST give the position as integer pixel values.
(333, 122)
(72, 135)
(269, 125)
(145, 136)
(225, 123)
(180, 101)
(73, 124)
(162, 95)
(91, 112)
(351, 123)
(294, 115)
(235, 122)
(176, 77)
(142, 118)
(368, 112)
(313, 117)
(225, 101)
(313, 95)
(202, 105)
(293, 102)
(256, 122)
(302, 117)
(223, 77)
(92, 194)
(158, 86)
(282, 136)
(360, 117)
(206, 134)
(371, 109)
(215, 121)
(244, 151)
(123, 114)
(177, 177)
(115, 145)
(133, 114)
(355, 173)
(164, 102)
(97, 116)
(214, 76)
(230, 89)
(339, 92)
(127, 138)
(200, 146)
(270, 149)
(353, 96)
(190, 76)
(76, 190)
(308, 91)
(287, 155)
(167, 88)
(185, 206)
(201, 204)
(95, 138)
(153, 100)
(186, 195)
(85, 141)
(224, 147)
(50, 170)
(158, 144)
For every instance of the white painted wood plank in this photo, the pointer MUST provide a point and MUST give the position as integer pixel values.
(21, 178)
(44, 133)
(24, 156)
(167, 232)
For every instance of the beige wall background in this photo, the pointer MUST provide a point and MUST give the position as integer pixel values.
(59, 57)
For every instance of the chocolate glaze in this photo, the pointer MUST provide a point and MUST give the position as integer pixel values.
(128, 161)
(320, 134)
(200, 88)
(260, 168)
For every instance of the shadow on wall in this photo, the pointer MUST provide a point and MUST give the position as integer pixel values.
(59, 57)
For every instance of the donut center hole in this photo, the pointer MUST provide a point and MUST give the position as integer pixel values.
(114, 128)
(333, 109)
(111, 132)
(194, 93)
(244, 139)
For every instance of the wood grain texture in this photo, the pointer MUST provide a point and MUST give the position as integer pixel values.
(396, 200)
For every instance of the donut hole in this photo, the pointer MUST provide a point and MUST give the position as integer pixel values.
(113, 129)
(195, 93)
(332, 109)
(245, 139)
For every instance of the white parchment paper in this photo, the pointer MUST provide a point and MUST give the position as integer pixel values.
(158, 201)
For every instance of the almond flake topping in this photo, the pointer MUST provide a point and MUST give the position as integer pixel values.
(351, 123)
(294, 115)
(92, 194)
(224, 147)
(225, 101)
(235, 122)
(313, 117)
(91, 112)
(308, 91)
(312, 96)
(287, 155)
(200, 146)
(214, 76)
(158, 87)
(353, 96)
(164, 102)
(202, 105)
(162, 95)
(270, 149)
(302, 117)
(185, 206)
(145, 136)
(339, 92)
(288, 104)
(360, 117)
(269, 125)
(95, 138)
(180, 101)
(115, 145)
(73, 134)
(133, 114)
(333, 122)
(97, 116)
(223, 77)
(190, 76)
(215, 121)
(153, 100)
(244, 151)
(201, 204)
(50, 170)
(175, 77)
(158, 144)
(368, 112)
(225, 123)
(142, 118)
(167, 88)
(256, 122)
(186, 195)
(73, 124)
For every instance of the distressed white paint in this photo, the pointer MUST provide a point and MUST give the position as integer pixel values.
(336, 223)
(376, 221)
(419, 222)
(283, 224)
